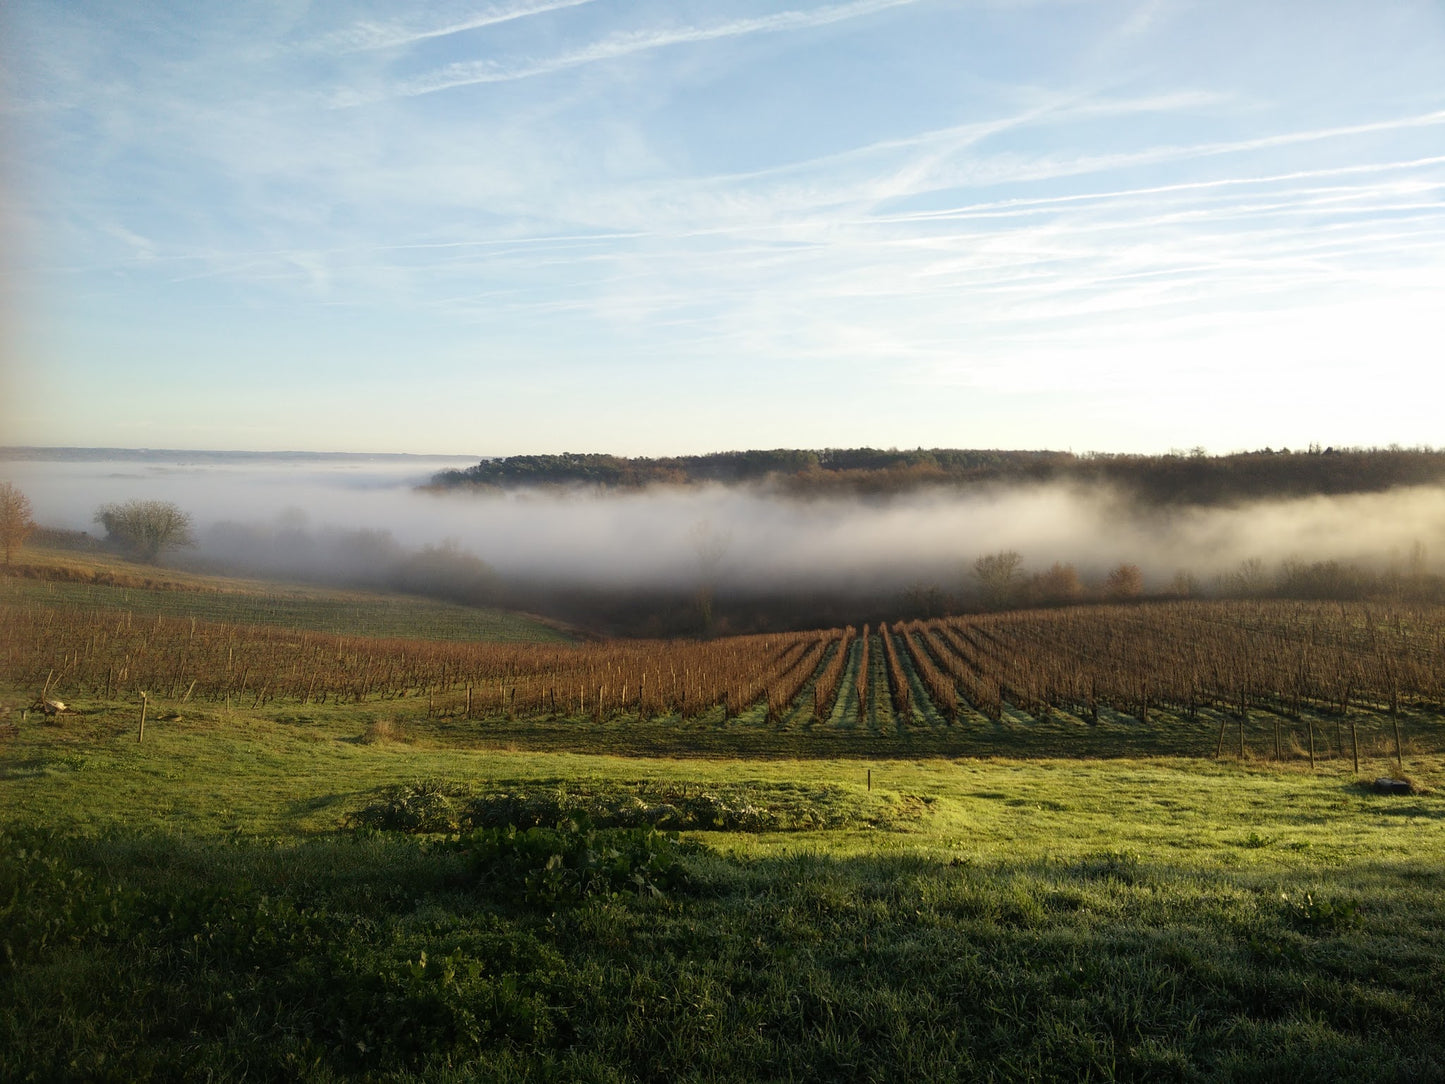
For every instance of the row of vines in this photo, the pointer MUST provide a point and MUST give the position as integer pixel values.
(1136, 661)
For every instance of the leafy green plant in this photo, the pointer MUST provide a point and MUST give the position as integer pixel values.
(1310, 915)
(431, 806)
(47, 902)
(567, 866)
(423, 806)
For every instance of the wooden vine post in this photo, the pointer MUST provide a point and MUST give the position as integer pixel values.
(1395, 722)
(1354, 737)
(141, 733)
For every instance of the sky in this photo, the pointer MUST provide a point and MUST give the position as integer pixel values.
(664, 226)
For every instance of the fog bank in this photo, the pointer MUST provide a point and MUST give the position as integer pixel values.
(303, 515)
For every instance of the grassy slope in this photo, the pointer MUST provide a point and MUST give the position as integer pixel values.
(284, 775)
(95, 581)
(1052, 917)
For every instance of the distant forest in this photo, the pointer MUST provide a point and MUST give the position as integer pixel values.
(1191, 478)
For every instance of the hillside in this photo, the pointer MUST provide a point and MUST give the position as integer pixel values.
(96, 581)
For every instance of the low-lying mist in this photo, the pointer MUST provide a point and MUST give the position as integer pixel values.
(359, 521)
(749, 539)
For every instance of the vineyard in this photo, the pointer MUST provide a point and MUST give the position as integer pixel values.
(239, 602)
(948, 848)
(1266, 674)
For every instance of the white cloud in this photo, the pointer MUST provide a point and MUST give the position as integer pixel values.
(367, 35)
(996, 219)
(615, 46)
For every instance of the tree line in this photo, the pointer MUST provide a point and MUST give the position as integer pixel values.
(999, 581)
(1177, 478)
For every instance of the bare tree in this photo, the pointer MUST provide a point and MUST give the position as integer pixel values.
(1059, 584)
(15, 522)
(1125, 582)
(1185, 584)
(146, 528)
(997, 575)
(1249, 580)
(711, 545)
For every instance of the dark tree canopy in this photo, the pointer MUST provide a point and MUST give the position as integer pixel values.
(145, 529)
(1175, 479)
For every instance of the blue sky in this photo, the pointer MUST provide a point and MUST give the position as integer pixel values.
(659, 227)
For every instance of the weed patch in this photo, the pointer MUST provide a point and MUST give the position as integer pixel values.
(1320, 916)
(565, 867)
(432, 806)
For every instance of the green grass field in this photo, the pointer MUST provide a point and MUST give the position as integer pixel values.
(193, 905)
(384, 891)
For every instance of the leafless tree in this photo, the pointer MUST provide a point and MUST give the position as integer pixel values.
(1125, 582)
(15, 522)
(1058, 584)
(997, 575)
(146, 528)
(711, 545)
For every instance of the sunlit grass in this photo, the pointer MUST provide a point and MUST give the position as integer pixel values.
(295, 772)
(191, 904)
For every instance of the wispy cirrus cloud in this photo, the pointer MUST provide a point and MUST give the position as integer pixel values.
(1021, 206)
(942, 195)
(814, 246)
(861, 184)
(366, 36)
(613, 47)
(932, 172)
